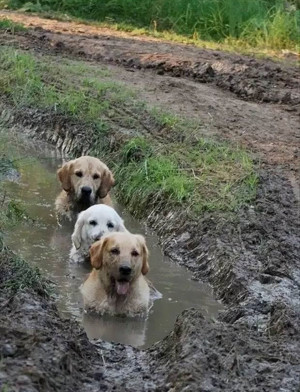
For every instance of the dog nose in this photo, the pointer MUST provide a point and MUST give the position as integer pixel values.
(86, 190)
(125, 270)
(97, 237)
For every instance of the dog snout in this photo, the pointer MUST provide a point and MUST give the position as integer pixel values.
(86, 190)
(97, 237)
(125, 270)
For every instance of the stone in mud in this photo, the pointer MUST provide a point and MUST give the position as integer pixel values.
(8, 350)
(23, 380)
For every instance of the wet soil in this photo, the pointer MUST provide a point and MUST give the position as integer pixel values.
(39, 351)
(252, 258)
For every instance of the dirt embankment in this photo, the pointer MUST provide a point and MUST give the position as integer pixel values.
(39, 351)
(252, 259)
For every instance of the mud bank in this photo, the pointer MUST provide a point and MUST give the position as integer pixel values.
(39, 351)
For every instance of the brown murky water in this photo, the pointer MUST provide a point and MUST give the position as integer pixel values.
(45, 245)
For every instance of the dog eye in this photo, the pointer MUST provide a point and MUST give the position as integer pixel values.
(134, 253)
(96, 176)
(115, 251)
(93, 223)
(110, 225)
(79, 174)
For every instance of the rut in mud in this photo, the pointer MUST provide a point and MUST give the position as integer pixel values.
(252, 260)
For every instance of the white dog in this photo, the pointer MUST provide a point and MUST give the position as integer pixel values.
(90, 226)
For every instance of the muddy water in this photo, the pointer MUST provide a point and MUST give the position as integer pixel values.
(44, 244)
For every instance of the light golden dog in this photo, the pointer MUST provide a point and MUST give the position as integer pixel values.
(85, 181)
(117, 285)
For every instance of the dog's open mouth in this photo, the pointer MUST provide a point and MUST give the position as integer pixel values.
(122, 286)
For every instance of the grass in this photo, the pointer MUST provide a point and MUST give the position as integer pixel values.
(12, 212)
(33, 83)
(207, 177)
(272, 24)
(15, 273)
(159, 158)
(9, 25)
(6, 166)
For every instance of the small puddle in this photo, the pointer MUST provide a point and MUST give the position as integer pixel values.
(47, 246)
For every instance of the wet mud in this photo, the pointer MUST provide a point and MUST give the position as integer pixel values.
(251, 259)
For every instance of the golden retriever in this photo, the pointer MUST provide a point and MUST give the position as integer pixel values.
(85, 181)
(117, 285)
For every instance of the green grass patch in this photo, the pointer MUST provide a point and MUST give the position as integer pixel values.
(208, 177)
(16, 274)
(15, 212)
(159, 158)
(257, 23)
(12, 212)
(6, 166)
(9, 25)
(30, 82)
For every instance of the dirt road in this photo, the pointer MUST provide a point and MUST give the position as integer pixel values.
(255, 102)
(253, 261)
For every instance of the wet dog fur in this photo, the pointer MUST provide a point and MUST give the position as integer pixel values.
(85, 181)
(117, 284)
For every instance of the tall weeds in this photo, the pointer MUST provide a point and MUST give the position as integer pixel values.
(263, 23)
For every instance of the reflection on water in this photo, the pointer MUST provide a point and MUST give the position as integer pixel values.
(46, 245)
(116, 329)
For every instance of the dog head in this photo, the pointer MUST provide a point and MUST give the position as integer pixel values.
(85, 179)
(120, 258)
(95, 222)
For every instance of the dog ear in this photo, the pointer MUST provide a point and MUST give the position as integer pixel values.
(145, 266)
(107, 182)
(64, 176)
(122, 227)
(96, 253)
(76, 236)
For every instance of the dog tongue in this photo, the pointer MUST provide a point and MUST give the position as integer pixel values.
(122, 287)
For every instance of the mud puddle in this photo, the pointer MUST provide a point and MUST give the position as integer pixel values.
(44, 244)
